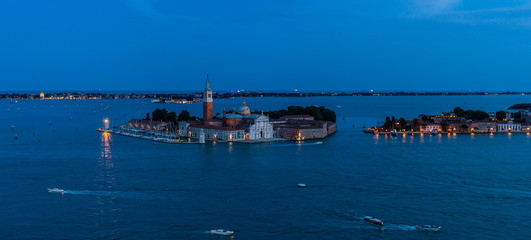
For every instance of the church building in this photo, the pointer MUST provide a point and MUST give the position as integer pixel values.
(235, 125)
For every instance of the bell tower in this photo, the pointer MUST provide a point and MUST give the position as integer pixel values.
(207, 102)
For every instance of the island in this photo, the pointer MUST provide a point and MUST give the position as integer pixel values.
(521, 106)
(243, 125)
(458, 121)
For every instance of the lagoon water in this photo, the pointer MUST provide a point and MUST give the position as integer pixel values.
(475, 187)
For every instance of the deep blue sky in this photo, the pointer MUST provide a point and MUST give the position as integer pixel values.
(418, 45)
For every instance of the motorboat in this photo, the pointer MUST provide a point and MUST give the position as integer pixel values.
(433, 132)
(394, 133)
(56, 190)
(301, 185)
(430, 228)
(373, 220)
(221, 232)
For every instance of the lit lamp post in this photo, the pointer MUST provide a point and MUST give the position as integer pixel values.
(106, 124)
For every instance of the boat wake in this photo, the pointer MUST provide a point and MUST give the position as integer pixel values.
(395, 227)
(104, 193)
(359, 223)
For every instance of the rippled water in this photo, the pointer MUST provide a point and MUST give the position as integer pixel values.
(475, 187)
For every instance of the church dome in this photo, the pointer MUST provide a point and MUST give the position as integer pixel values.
(244, 110)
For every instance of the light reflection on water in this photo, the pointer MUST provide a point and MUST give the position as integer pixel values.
(106, 147)
(106, 196)
(230, 147)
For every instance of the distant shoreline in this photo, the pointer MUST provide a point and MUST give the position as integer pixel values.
(228, 95)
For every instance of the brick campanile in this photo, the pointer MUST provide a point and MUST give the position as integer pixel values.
(207, 102)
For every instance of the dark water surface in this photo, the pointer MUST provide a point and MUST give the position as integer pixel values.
(475, 187)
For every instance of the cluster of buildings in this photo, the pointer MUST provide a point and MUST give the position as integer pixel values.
(451, 123)
(243, 125)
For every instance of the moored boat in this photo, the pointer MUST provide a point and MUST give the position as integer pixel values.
(221, 232)
(373, 220)
(301, 185)
(430, 228)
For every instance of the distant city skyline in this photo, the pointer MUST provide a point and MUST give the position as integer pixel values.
(148, 45)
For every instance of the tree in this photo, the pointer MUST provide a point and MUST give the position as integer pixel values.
(516, 115)
(500, 115)
(172, 117)
(402, 123)
(475, 115)
(147, 116)
(388, 123)
(183, 116)
(160, 115)
(415, 123)
(464, 127)
(459, 111)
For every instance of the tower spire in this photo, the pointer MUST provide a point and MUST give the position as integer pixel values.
(207, 86)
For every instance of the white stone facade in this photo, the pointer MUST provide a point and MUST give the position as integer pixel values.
(509, 127)
(431, 127)
(261, 128)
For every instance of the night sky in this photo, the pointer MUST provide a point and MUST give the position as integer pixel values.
(393, 45)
